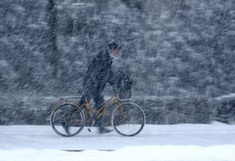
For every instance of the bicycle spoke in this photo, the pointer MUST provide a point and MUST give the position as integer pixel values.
(67, 120)
(128, 119)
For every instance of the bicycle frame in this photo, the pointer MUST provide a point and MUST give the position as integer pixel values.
(83, 115)
(90, 112)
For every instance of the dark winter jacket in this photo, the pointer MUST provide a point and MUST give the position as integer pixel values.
(99, 72)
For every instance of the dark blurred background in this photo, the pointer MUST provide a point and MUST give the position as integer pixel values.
(180, 54)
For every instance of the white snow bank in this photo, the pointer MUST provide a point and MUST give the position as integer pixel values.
(145, 153)
(182, 142)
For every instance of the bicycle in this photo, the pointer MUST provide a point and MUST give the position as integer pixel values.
(127, 118)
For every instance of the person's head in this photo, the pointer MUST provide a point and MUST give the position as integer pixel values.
(115, 46)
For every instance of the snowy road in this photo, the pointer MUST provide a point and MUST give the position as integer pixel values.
(215, 142)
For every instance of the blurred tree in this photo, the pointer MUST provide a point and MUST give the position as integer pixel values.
(54, 55)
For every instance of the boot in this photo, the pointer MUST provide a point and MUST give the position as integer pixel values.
(66, 127)
(103, 130)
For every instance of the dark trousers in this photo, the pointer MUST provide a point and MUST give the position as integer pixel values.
(99, 102)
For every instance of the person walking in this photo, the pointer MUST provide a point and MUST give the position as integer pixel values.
(98, 74)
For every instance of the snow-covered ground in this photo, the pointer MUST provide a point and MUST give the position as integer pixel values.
(183, 142)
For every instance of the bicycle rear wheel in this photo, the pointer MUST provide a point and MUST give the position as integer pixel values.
(67, 120)
(128, 119)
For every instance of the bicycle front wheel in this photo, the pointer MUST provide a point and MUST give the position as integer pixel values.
(67, 120)
(128, 119)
